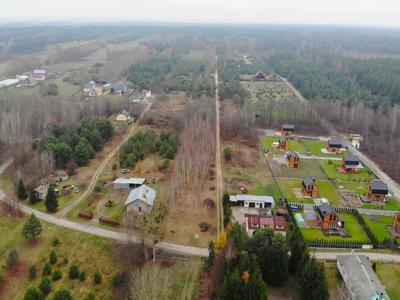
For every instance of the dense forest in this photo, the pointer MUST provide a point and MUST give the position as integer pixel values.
(78, 143)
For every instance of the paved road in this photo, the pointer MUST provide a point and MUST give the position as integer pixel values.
(4, 166)
(381, 257)
(220, 224)
(96, 175)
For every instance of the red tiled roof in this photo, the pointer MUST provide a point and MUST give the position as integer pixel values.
(267, 221)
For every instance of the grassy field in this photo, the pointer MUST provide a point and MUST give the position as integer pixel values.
(389, 274)
(74, 247)
(331, 273)
(359, 188)
(326, 190)
(308, 167)
(266, 142)
(330, 168)
(351, 225)
(379, 227)
(259, 90)
(392, 204)
(315, 148)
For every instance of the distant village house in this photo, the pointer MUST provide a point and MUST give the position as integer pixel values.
(39, 74)
(118, 89)
(329, 219)
(254, 222)
(351, 164)
(377, 191)
(334, 146)
(128, 183)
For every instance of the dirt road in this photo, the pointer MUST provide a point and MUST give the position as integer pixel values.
(219, 188)
(96, 175)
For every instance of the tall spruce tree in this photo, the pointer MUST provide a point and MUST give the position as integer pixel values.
(51, 201)
(21, 190)
(313, 282)
(33, 198)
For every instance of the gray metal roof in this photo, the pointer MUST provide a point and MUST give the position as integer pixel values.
(352, 160)
(379, 186)
(292, 154)
(308, 180)
(289, 127)
(143, 193)
(130, 180)
(118, 87)
(324, 208)
(335, 143)
(360, 277)
(252, 198)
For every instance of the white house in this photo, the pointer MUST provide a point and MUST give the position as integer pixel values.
(141, 199)
(146, 93)
(252, 201)
(128, 183)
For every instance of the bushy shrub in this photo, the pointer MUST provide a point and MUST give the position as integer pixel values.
(52, 257)
(97, 277)
(46, 269)
(12, 258)
(82, 276)
(62, 294)
(57, 275)
(56, 242)
(73, 272)
(117, 280)
(33, 293)
(45, 286)
(32, 272)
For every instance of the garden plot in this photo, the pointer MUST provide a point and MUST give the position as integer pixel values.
(308, 167)
(291, 189)
(316, 148)
(267, 141)
(351, 225)
(331, 167)
(378, 224)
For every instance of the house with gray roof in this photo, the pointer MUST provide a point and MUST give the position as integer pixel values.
(118, 89)
(360, 279)
(141, 199)
(252, 201)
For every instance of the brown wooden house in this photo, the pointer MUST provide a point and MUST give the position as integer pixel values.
(260, 76)
(310, 187)
(282, 144)
(377, 191)
(287, 130)
(329, 219)
(334, 146)
(293, 160)
(351, 164)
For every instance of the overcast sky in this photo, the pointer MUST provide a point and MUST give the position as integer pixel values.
(339, 12)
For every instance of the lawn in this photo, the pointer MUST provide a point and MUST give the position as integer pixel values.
(331, 273)
(308, 167)
(326, 190)
(359, 188)
(269, 190)
(351, 225)
(315, 148)
(389, 274)
(267, 141)
(330, 168)
(74, 246)
(391, 204)
(379, 227)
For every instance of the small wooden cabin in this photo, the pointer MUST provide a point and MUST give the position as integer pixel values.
(377, 191)
(282, 144)
(329, 219)
(351, 164)
(287, 130)
(293, 160)
(334, 146)
(310, 187)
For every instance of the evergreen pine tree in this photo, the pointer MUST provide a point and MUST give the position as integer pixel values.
(51, 201)
(33, 198)
(21, 191)
(32, 228)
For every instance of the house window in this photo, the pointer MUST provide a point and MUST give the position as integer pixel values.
(140, 209)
